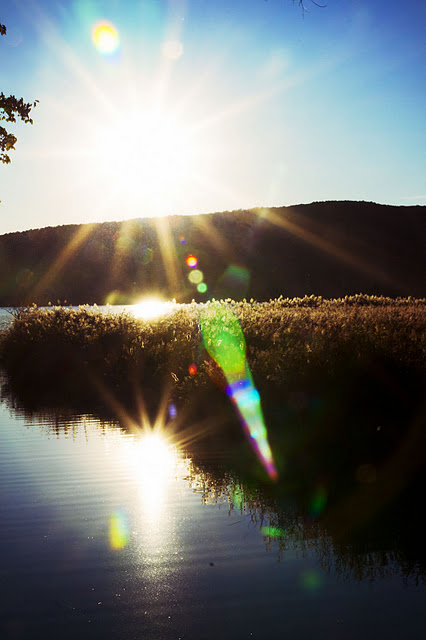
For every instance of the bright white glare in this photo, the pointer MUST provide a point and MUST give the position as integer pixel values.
(172, 49)
(150, 155)
(153, 464)
(151, 308)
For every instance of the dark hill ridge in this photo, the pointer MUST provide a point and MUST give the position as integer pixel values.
(331, 249)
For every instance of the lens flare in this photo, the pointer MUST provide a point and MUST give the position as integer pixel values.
(311, 580)
(105, 37)
(318, 502)
(191, 261)
(192, 369)
(147, 255)
(195, 276)
(202, 287)
(224, 341)
(172, 49)
(233, 283)
(272, 532)
(118, 530)
(172, 411)
(114, 297)
(237, 497)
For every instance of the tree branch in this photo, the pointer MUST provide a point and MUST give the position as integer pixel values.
(303, 7)
(11, 108)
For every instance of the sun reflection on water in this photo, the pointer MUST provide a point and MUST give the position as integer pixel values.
(153, 461)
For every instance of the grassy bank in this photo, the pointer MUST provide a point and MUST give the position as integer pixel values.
(299, 349)
(292, 344)
(341, 381)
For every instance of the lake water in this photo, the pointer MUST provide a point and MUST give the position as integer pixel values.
(108, 532)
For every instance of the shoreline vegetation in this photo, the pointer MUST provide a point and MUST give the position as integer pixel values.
(286, 337)
(341, 384)
(309, 355)
(292, 345)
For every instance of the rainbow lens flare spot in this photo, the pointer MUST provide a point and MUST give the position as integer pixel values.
(237, 497)
(224, 342)
(311, 580)
(118, 530)
(202, 287)
(191, 261)
(182, 239)
(272, 532)
(234, 282)
(105, 37)
(172, 411)
(147, 255)
(192, 369)
(172, 49)
(318, 502)
(195, 276)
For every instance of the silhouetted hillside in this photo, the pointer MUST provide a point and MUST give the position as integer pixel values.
(331, 249)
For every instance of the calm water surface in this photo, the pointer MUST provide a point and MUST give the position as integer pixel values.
(108, 533)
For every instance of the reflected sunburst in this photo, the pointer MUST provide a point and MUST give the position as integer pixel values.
(153, 462)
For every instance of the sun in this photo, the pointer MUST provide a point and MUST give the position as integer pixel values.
(144, 136)
(146, 157)
(152, 308)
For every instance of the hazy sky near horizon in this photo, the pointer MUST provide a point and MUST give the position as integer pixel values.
(196, 106)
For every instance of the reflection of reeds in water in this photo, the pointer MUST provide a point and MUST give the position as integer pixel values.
(290, 522)
(315, 358)
(55, 420)
(288, 529)
(341, 383)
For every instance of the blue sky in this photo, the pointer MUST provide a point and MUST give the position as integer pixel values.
(210, 106)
